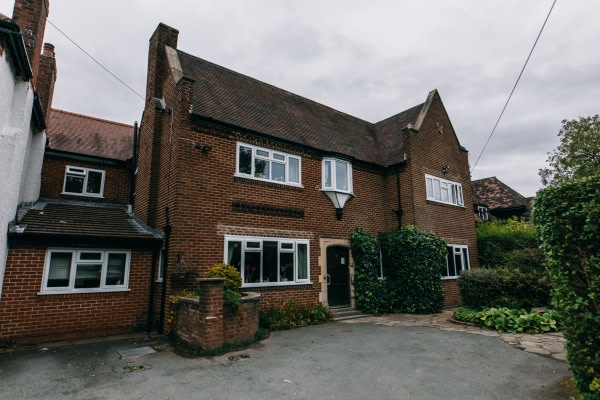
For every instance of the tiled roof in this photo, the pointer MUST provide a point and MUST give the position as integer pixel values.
(232, 98)
(496, 194)
(87, 220)
(76, 133)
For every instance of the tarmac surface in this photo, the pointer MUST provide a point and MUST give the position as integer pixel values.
(359, 359)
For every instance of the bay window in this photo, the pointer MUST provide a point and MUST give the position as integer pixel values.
(268, 261)
(337, 175)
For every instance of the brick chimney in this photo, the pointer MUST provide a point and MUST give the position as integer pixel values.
(31, 17)
(46, 77)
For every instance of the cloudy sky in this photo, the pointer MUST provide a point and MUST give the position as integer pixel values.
(371, 60)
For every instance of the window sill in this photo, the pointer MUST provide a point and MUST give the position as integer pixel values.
(444, 204)
(450, 278)
(83, 195)
(274, 284)
(249, 178)
(83, 291)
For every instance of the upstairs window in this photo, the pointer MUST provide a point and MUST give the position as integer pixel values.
(267, 165)
(337, 175)
(444, 191)
(84, 181)
(483, 213)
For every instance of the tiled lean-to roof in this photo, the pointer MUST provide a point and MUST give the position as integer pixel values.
(80, 221)
(82, 134)
(235, 99)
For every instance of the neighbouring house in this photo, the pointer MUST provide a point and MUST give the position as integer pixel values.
(493, 199)
(26, 85)
(80, 264)
(238, 171)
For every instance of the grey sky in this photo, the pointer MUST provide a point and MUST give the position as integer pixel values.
(369, 60)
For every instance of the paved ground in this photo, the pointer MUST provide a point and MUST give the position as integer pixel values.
(380, 359)
(547, 344)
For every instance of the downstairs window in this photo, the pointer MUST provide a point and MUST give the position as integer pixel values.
(457, 260)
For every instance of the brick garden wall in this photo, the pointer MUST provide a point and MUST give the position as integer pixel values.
(26, 316)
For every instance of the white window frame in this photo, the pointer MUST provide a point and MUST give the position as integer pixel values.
(272, 156)
(332, 184)
(280, 241)
(482, 211)
(463, 251)
(83, 172)
(161, 265)
(453, 190)
(380, 276)
(75, 261)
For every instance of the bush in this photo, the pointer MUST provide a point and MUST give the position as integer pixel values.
(510, 320)
(413, 261)
(293, 315)
(568, 220)
(504, 288)
(233, 279)
(496, 240)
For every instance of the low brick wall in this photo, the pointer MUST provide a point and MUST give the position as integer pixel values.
(208, 323)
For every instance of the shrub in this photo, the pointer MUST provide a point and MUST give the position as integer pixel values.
(567, 217)
(526, 260)
(233, 279)
(504, 288)
(413, 261)
(497, 239)
(510, 320)
(293, 315)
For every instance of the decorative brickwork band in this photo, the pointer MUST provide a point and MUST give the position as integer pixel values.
(267, 210)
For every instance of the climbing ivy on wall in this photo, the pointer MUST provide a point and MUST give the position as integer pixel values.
(412, 264)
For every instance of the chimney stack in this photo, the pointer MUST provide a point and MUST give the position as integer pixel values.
(31, 17)
(46, 77)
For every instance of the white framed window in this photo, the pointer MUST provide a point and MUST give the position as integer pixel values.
(268, 165)
(162, 260)
(337, 175)
(265, 261)
(84, 181)
(89, 270)
(483, 213)
(457, 260)
(444, 191)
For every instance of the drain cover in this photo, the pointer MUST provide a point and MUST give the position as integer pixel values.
(137, 352)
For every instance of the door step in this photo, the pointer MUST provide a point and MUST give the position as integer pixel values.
(344, 313)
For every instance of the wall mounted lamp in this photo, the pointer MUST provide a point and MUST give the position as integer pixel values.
(203, 148)
(339, 200)
(445, 169)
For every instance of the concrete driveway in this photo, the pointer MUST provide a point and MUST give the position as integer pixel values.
(331, 361)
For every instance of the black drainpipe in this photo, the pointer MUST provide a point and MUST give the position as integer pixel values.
(399, 211)
(167, 230)
(151, 303)
(134, 164)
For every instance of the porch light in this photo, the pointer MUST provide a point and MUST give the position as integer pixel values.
(339, 200)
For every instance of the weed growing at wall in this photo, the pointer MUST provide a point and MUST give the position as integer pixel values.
(567, 217)
(293, 315)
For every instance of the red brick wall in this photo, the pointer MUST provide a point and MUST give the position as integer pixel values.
(26, 316)
(117, 181)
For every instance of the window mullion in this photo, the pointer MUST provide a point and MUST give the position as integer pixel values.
(74, 257)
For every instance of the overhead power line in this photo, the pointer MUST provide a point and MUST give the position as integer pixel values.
(96, 61)
(515, 86)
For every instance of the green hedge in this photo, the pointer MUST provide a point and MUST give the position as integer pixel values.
(567, 217)
(412, 262)
(500, 241)
(293, 315)
(502, 287)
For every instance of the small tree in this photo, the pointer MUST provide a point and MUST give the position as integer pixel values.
(577, 155)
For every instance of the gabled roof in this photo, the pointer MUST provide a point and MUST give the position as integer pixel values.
(496, 194)
(229, 97)
(80, 221)
(82, 134)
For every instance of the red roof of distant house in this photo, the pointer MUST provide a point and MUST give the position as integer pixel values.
(496, 194)
(82, 134)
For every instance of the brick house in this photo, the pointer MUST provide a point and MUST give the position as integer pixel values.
(238, 171)
(493, 199)
(80, 263)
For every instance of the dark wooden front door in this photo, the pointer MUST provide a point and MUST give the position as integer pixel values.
(338, 287)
